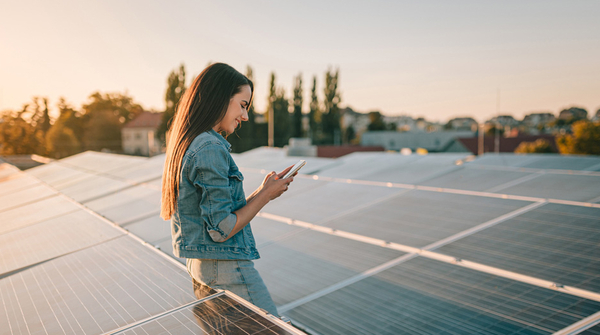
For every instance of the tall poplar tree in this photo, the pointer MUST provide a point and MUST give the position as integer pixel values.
(296, 124)
(331, 117)
(314, 116)
(281, 117)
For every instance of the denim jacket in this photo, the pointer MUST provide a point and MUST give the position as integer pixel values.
(209, 192)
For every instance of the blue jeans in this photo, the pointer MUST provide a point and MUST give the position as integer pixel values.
(237, 276)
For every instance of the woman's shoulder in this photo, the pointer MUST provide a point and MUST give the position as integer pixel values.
(207, 141)
(206, 144)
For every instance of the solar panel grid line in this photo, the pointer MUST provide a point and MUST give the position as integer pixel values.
(479, 294)
(514, 182)
(170, 311)
(456, 191)
(445, 258)
(534, 170)
(512, 275)
(27, 203)
(416, 323)
(344, 283)
(593, 168)
(157, 274)
(484, 225)
(112, 224)
(361, 207)
(573, 203)
(581, 325)
(444, 293)
(139, 218)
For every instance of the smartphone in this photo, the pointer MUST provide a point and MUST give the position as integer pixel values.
(295, 168)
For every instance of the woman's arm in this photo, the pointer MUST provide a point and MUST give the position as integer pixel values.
(272, 187)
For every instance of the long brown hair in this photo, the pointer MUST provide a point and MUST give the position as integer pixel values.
(201, 107)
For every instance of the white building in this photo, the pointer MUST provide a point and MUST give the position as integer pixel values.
(139, 136)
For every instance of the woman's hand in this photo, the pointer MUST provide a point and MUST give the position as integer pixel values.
(273, 185)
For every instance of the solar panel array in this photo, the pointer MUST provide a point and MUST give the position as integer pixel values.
(65, 269)
(370, 243)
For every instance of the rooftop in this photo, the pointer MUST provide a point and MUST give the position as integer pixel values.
(369, 243)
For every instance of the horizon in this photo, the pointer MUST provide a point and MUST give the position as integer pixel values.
(435, 60)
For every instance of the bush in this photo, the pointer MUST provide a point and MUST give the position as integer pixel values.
(540, 146)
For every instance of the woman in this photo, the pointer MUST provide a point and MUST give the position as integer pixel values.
(202, 190)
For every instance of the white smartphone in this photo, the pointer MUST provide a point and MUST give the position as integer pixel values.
(295, 168)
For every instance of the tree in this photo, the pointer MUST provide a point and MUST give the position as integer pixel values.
(103, 118)
(17, 136)
(296, 123)
(314, 115)
(377, 123)
(331, 115)
(585, 139)
(245, 137)
(281, 118)
(175, 90)
(539, 146)
(64, 137)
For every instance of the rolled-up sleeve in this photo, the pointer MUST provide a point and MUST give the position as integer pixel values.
(211, 175)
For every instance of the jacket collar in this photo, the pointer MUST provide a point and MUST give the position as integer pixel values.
(221, 138)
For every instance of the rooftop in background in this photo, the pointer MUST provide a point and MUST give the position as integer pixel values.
(369, 243)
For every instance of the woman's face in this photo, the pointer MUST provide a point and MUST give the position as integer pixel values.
(237, 111)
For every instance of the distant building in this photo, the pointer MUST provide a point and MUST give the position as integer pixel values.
(462, 124)
(358, 121)
(573, 113)
(441, 141)
(139, 135)
(504, 121)
(596, 117)
(534, 120)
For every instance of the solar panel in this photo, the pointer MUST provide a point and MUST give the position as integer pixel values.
(39, 211)
(17, 183)
(151, 229)
(559, 186)
(127, 205)
(326, 201)
(93, 291)
(309, 261)
(554, 242)
(149, 169)
(418, 218)
(100, 162)
(221, 313)
(562, 162)
(25, 196)
(93, 187)
(51, 238)
(57, 175)
(475, 179)
(266, 231)
(423, 296)
(7, 170)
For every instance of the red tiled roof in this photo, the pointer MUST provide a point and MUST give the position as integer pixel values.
(145, 120)
(335, 151)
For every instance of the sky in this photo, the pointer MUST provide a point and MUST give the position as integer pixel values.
(432, 59)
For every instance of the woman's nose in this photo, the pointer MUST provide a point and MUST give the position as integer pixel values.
(245, 115)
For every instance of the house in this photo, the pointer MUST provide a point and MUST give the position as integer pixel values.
(139, 135)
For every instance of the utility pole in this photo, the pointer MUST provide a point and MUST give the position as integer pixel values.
(480, 145)
(497, 139)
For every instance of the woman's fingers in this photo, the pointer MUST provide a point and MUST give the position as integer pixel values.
(282, 173)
